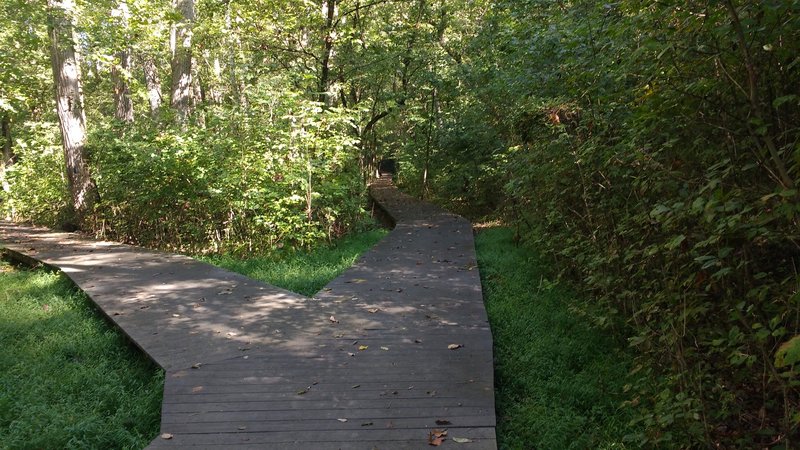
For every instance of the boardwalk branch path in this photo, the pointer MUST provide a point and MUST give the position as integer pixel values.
(369, 362)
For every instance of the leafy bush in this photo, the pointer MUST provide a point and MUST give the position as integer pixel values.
(245, 182)
(651, 149)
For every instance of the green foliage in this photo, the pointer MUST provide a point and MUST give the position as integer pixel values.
(303, 271)
(68, 380)
(36, 184)
(243, 183)
(651, 150)
(559, 380)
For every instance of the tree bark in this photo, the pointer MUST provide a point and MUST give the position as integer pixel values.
(182, 60)
(153, 83)
(329, 12)
(69, 106)
(121, 72)
(8, 151)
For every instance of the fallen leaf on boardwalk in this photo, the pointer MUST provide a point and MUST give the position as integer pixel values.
(357, 280)
(176, 315)
(459, 440)
(197, 389)
(356, 386)
(386, 349)
(454, 346)
(361, 348)
(366, 424)
(303, 391)
(196, 365)
(242, 427)
(166, 436)
(373, 310)
(436, 437)
(417, 341)
(333, 319)
(443, 422)
(342, 420)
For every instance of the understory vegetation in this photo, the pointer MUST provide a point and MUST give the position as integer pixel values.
(560, 381)
(69, 380)
(303, 271)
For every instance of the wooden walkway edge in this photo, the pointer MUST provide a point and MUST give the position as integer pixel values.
(388, 355)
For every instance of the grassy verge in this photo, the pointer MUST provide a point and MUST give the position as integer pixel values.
(68, 379)
(303, 271)
(559, 381)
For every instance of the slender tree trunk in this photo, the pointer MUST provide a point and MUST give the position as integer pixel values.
(182, 60)
(69, 106)
(153, 83)
(237, 89)
(122, 71)
(8, 150)
(329, 12)
(8, 156)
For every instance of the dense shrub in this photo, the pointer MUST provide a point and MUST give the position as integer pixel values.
(651, 150)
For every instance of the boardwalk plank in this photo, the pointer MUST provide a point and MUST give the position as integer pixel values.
(272, 369)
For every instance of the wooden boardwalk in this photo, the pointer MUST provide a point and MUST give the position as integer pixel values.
(369, 362)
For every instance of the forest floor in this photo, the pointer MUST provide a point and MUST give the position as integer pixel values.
(558, 380)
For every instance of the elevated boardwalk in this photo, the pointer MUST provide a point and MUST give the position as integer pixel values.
(366, 363)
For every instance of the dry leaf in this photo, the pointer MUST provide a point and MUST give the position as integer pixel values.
(386, 349)
(197, 389)
(366, 424)
(454, 346)
(196, 365)
(373, 310)
(436, 437)
(241, 427)
(459, 440)
(303, 391)
(342, 420)
(351, 354)
(356, 386)
(361, 348)
(166, 436)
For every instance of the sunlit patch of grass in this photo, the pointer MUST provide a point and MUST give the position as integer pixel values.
(559, 381)
(69, 379)
(303, 271)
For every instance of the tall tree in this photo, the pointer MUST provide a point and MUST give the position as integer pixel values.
(329, 12)
(69, 106)
(153, 83)
(182, 59)
(121, 71)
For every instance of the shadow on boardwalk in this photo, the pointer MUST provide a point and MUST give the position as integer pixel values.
(365, 363)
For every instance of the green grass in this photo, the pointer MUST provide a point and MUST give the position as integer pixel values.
(68, 379)
(559, 381)
(303, 271)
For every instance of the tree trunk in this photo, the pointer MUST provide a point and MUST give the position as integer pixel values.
(182, 60)
(122, 97)
(153, 83)
(329, 12)
(8, 151)
(122, 71)
(69, 106)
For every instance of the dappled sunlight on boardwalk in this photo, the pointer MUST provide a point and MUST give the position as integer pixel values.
(396, 347)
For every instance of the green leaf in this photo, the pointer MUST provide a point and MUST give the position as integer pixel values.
(788, 353)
